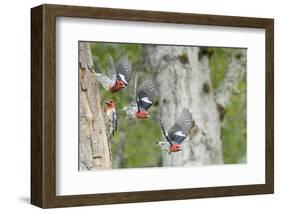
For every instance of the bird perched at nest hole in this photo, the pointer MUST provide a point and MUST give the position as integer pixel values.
(177, 133)
(111, 117)
(118, 76)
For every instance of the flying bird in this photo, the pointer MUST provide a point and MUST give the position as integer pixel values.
(178, 132)
(118, 76)
(143, 100)
(111, 117)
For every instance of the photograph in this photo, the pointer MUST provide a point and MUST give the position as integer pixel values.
(161, 105)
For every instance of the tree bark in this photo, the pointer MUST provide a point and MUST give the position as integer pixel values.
(94, 144)
(183, 80)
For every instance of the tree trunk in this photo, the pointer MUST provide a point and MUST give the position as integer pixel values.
(94, 144)
(183, 80)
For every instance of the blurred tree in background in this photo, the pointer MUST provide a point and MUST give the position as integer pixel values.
(234, 124)
(134, 144)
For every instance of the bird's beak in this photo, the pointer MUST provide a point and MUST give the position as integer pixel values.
(107, 102)
(148, 116)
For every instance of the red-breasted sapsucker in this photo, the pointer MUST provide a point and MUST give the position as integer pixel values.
(143, 100)
(112, 117)
(118, 76)
(178, 132)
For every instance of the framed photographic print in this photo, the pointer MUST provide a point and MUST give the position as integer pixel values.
(137, 106)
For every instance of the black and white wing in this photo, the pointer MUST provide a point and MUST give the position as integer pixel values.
(179, 131)
(146, 93)
(111, 70)
(110, 80)
(165, 133)
(124, 69)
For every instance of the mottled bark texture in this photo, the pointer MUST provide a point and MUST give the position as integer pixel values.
(94, 144)
(183, 80)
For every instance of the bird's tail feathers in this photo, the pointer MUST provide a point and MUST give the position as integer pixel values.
(103, 80)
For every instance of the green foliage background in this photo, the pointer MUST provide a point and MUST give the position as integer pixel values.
(140, 149)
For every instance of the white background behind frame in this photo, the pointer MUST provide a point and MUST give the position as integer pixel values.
(70, 181)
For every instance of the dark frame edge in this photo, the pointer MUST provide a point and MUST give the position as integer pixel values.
(269, 137)
(43, 107)
(156, 16)
(157, 196)
(37, 190)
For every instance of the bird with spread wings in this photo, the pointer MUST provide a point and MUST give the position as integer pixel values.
(118, 75)
(178, 132)
(144, 96)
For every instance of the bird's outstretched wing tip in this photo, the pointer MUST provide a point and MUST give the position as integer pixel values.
(186, 111)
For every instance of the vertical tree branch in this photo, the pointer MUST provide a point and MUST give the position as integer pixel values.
(94, 146)
(235, 72)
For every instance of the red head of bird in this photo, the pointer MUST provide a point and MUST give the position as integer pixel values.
(175, 147)
(118, 86)
(110, 104)
(142, 114)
